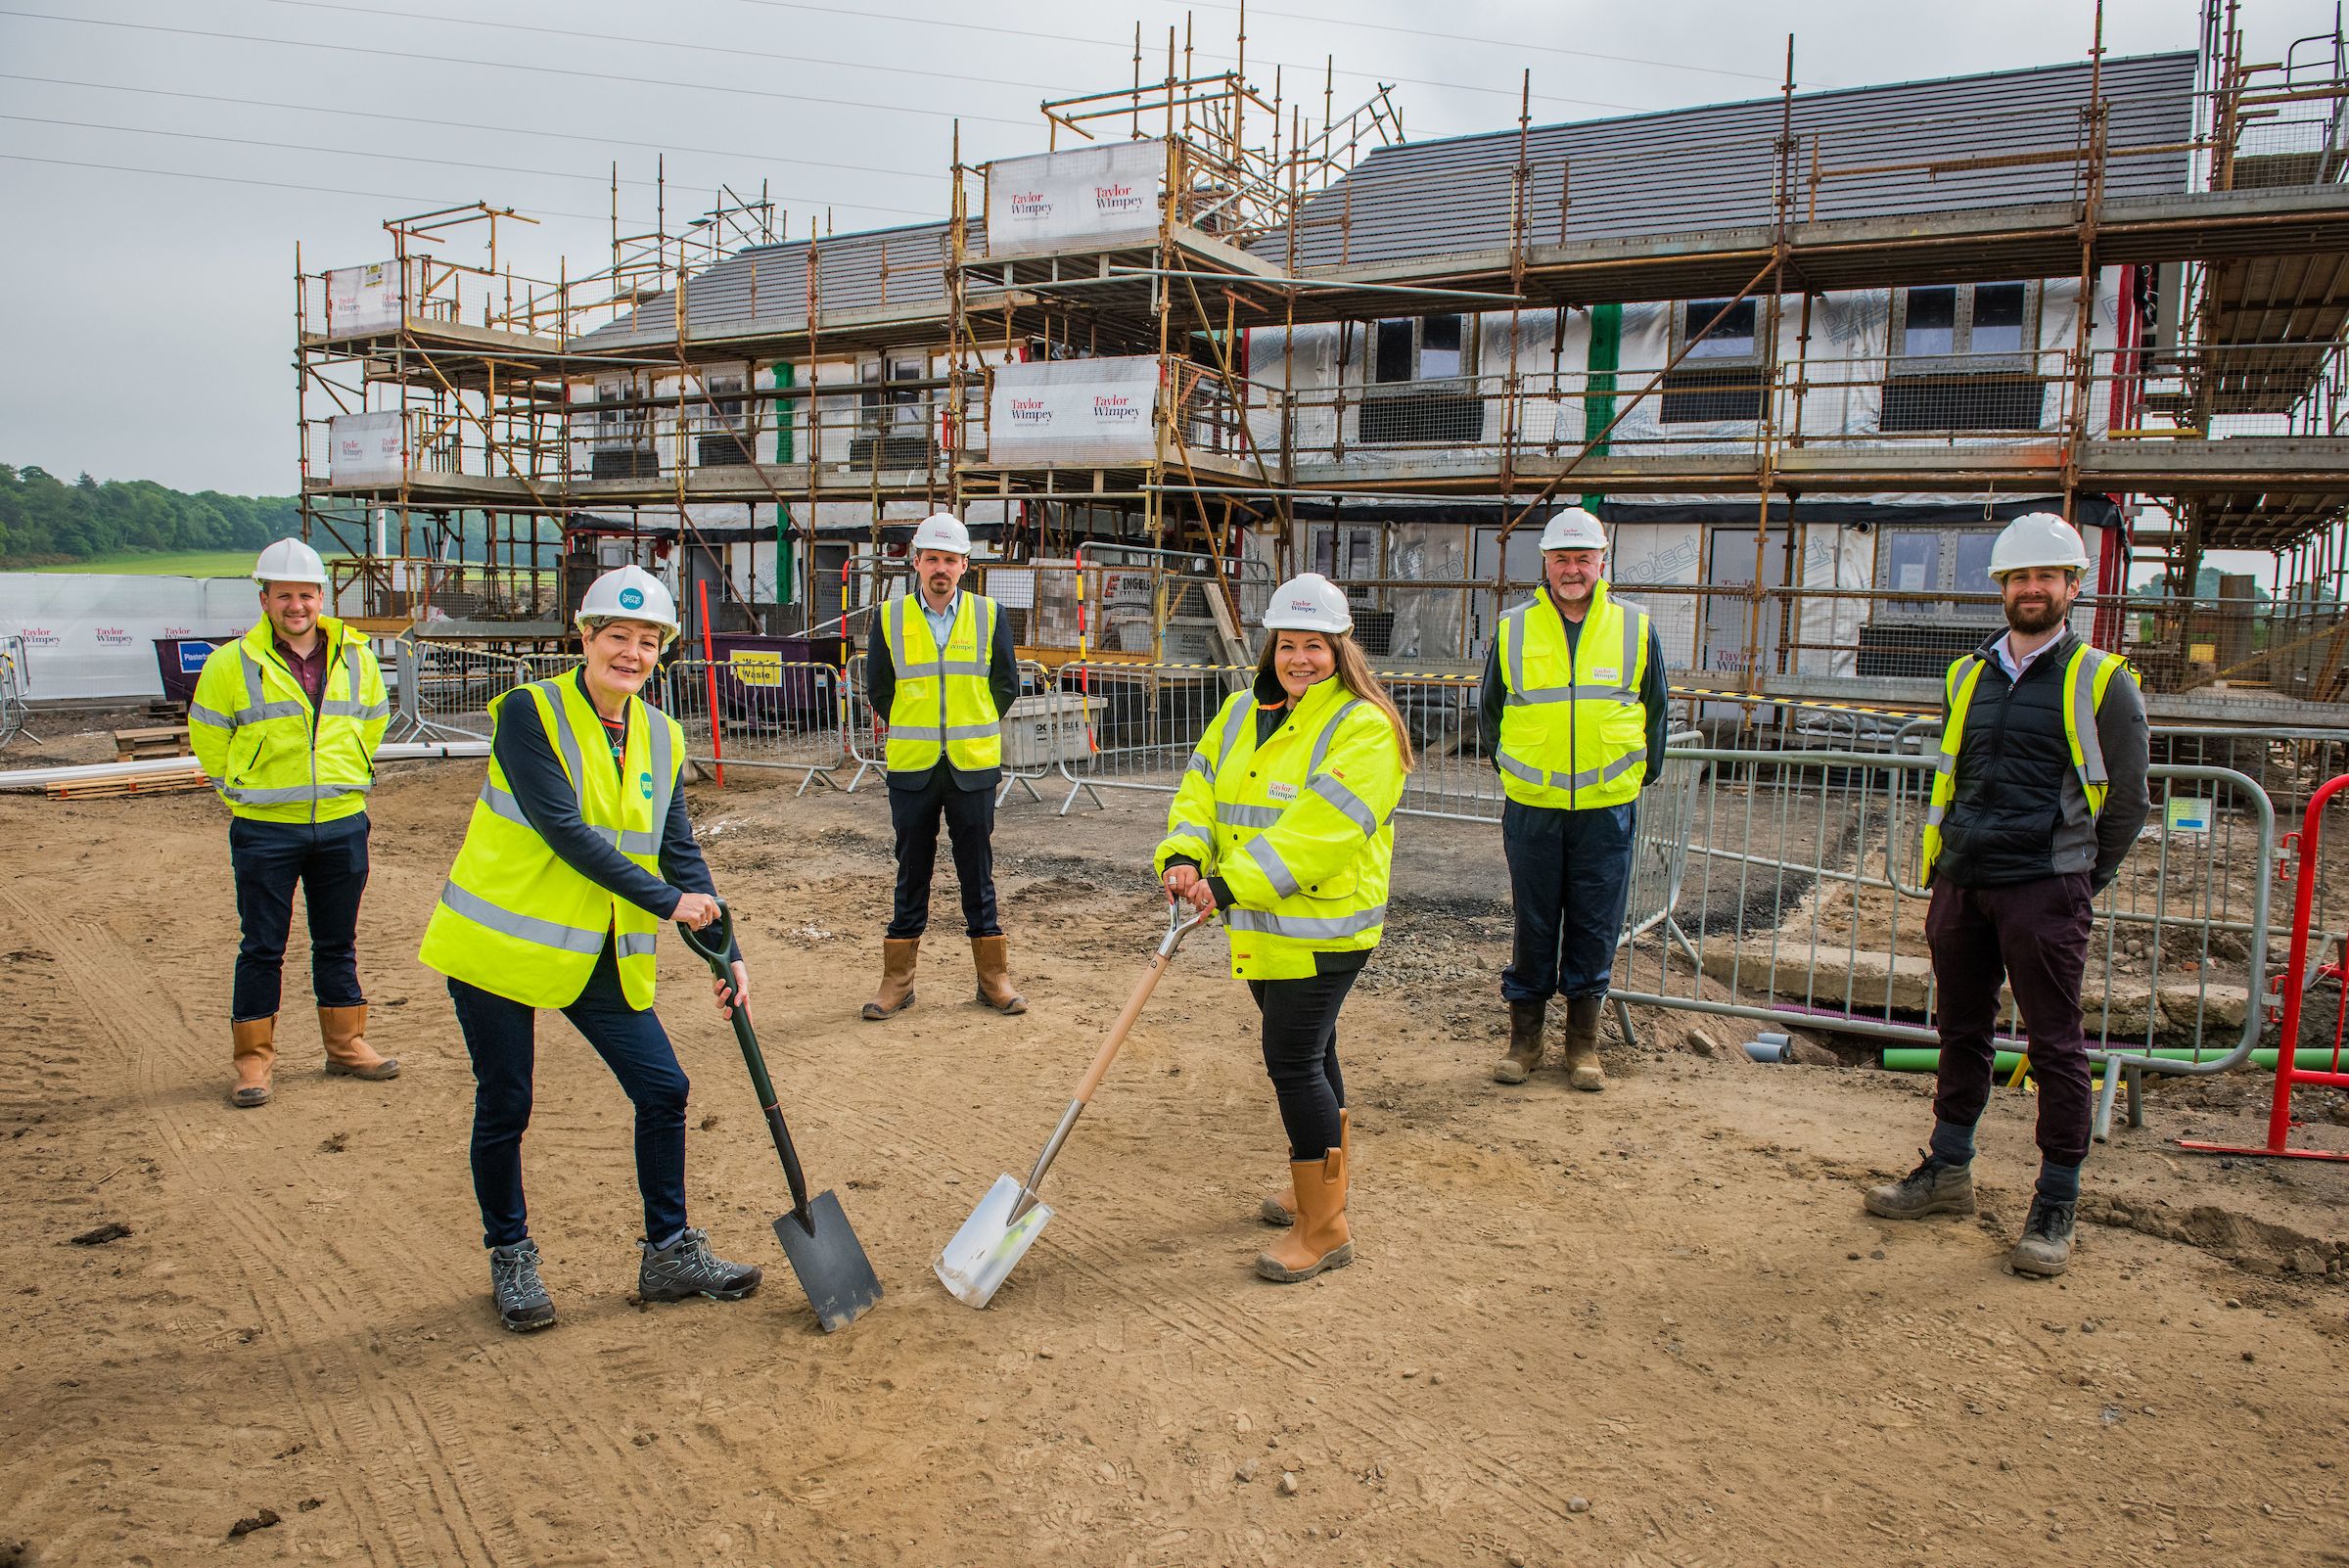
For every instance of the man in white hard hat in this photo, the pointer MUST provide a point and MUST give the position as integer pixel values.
(285, 724)
(2039, 793)
(1574, 712)
(941, 672)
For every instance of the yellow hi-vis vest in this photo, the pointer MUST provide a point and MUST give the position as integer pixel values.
(1572, 732)
(2086, 676)
(515, 919)
(943, 698)
(1299, 829)
(269, 754)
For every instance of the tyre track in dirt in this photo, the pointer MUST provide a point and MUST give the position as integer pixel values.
(437, 1504)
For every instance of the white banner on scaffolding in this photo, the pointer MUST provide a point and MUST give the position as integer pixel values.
(362, 298)
(1074, 411)
(1092, 193)
(1664, 554)
(93, 634)
(363, 448)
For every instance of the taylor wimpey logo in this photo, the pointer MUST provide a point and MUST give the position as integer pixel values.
(179, 631)
(110, 636)
(1031, 205)
(40, 637)
(1115, 408)
(1030, 411)
(1117, 199)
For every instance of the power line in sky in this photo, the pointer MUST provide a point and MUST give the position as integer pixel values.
(418, 157)
(285, 185)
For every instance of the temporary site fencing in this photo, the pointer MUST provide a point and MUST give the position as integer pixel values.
(12, 685)
(1776, 885)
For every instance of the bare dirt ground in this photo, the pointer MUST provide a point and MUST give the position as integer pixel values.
(1647, 1327)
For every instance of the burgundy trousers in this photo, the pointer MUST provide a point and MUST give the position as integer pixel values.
(2034, 937)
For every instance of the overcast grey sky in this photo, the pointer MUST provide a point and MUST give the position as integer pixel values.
(161, 159)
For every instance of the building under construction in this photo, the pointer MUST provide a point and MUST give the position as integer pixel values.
(1805, 353)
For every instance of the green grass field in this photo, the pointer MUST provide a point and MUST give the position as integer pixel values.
(161, 564)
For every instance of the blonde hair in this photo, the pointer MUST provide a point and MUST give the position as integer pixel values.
(1354, 673)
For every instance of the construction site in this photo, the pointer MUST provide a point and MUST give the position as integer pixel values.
(1804, 354)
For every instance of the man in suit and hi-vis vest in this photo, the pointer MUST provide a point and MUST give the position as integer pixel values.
(941, 672)
(2039, 790)
(1572, 712)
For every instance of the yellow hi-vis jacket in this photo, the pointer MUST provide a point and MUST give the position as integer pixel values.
(274, 758)
(942, 699)
(1299, 829)
(2086, 678)
(515, 919)
(1573, 733)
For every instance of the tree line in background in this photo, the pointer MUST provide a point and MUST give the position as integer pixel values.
(43, 518)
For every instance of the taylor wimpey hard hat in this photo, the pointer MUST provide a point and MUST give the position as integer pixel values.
(943, 531)
(2038, 539)
(1573, 529)
(1308, 602)
(288, 560)
(629, 593)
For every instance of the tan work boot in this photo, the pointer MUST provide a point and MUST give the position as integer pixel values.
(1581, 1043)
(256, 1048)
(347, 1053)
(991, 957)
(1525, 1043)
(1280, 1208)
(896, 994)
(1319, 1238)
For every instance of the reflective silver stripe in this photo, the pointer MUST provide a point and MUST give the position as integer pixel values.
(1945, 762)
(632, 841)
(1613, 770)
(1330, 734)
(1572, 781)
(1355, 808)
(1277, 870)
(987, 631)
(1516, 770)
(961, 666)
(2084, 667)
(1935, 813)
(634, 943)
(956, 732)
(521, 927)
(1608, 692)
(1303, 928)
(292, 793)
(198, 713)
(1233, 716)
(336, 708)
(502, 803)
(1205, 835)
(1516, 642)
(1200, 764)
(664, 775)
(563, 734)
(917, 732)
(1233, 815)
(1632, 617)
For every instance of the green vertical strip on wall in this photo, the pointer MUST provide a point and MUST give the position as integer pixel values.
(1607, 356)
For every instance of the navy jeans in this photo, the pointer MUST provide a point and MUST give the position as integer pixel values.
(970, 817)
(330, 861)
(1301, 1056)
(1570, 873)
(499, 1032)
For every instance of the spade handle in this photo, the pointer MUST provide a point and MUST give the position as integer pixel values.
(713, 952)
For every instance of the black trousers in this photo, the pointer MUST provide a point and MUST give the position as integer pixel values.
(2032, 936)
(1301, 1055)
(970, 819)
(328, 859)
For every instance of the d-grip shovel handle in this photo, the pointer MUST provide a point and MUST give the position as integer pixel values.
(714, 953)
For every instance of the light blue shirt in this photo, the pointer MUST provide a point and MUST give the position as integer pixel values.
(942, 621)
(2015, 667)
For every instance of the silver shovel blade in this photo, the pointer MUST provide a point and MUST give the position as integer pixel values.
(976, 1262)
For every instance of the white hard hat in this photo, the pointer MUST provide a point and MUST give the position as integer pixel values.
(1574, 528)
(289, 561)
(1308, 602)
(2038, 539)
(630, 593)
(943, 531)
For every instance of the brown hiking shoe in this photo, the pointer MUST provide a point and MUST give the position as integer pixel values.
(1525, 1043)
(896, 994)
(2045, 1249)
(1581, 1043)
(1935, 1186)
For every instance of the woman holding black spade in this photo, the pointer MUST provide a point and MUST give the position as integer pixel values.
(579, 848)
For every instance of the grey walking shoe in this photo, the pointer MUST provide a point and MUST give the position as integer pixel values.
(1935, 1186)
(522, 1300)
(2045, 1249)
(689, 1269)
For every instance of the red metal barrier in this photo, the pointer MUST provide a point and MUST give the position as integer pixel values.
(2296, 981)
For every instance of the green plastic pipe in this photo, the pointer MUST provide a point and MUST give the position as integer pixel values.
(1927, 1059)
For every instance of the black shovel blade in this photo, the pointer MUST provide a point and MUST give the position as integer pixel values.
(830, 1262)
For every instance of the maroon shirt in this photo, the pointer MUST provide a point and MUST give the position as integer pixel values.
(310, 670)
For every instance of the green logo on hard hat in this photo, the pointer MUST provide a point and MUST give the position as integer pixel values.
(645, 782)
(631, 598)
